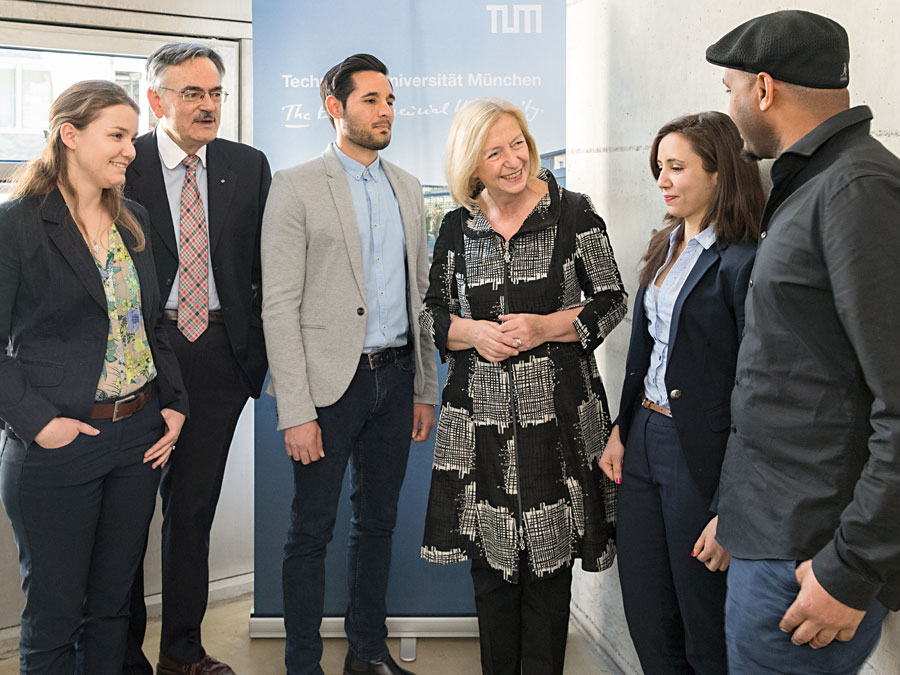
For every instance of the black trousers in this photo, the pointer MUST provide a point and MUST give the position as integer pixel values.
(80, 515)
(522, 627)
(674, 606)
(190, 487)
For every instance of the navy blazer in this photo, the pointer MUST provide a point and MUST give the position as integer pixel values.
(238, 178)
(706, 330)
(54, 314)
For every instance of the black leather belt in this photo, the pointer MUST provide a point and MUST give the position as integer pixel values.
(384, 357)
(215, 316)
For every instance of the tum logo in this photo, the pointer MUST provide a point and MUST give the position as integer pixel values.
(521, 15)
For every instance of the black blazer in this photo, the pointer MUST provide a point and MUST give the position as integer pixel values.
(238, 183)
(53, 311)
(707, 325)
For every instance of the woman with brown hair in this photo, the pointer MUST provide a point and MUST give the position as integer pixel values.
(90, 393)
(674, 414)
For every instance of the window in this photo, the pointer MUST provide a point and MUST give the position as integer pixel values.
(130, 82)
(38, 63)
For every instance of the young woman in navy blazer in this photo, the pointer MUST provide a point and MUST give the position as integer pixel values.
(666, 446)
(90, 393)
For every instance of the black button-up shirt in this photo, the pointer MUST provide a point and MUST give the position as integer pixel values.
(812, 468)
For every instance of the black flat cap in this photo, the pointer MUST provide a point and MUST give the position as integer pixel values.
(792, 46)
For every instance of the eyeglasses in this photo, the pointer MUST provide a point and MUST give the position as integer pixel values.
(196, 95)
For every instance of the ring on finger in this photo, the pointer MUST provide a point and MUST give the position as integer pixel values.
(518, 342)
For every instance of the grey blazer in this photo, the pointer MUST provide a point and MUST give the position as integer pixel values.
(314, 305)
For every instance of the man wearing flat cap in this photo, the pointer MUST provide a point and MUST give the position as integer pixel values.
(809, 498)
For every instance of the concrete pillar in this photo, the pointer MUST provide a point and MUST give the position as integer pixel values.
(631, 67)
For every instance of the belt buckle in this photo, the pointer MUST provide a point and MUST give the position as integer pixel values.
(128, 399)
(370, 357)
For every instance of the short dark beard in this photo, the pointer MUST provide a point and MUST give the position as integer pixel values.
(365, 138)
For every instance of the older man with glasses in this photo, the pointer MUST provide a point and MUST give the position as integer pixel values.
(205, 197)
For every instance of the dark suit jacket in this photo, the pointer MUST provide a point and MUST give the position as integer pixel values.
(707, 324)
(238, 178)
(53, 311)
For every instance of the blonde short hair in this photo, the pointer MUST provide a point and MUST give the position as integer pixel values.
(468, 134)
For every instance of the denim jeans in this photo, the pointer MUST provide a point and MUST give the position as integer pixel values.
(80, 515)
(759, 593)
(369, 427)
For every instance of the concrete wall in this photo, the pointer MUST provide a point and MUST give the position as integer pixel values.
(631, 67)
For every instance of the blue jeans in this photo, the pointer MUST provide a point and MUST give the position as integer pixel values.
(80, 515)
(369, 427)
(759, 593)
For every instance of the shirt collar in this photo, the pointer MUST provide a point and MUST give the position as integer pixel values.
(811, 142)
(706, 238)
(169, 152)
(356, 169)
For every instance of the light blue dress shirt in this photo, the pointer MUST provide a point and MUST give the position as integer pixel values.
(383, 245)
(659, 302)
(173, 170)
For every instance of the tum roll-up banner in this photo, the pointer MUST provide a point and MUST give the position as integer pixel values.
(440, 55)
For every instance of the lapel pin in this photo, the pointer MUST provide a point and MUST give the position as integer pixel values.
(222, 180)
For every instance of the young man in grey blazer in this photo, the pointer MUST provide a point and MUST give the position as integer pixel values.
(345, 267)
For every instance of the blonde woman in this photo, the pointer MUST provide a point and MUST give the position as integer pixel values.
(524, 287)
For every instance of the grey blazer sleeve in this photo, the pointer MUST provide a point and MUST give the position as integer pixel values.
(283, 257)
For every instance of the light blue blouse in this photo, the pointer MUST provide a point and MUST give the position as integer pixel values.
(659, 302)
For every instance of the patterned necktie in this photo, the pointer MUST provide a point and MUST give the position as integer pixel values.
(193, 284)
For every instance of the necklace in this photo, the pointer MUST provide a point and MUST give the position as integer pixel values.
(93, 242)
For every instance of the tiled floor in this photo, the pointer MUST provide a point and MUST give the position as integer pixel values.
(225, 636)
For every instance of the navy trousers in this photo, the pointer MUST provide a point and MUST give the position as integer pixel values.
(674, 606)
(759, 593)
(190, 488)
(370, 427)
(80, 515)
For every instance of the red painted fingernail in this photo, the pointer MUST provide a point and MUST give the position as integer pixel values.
(693, 554)
(618, 481)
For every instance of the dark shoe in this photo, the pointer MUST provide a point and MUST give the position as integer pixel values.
(386, 666)
(208, 666)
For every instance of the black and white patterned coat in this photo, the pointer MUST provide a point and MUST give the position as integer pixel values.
(517, 441)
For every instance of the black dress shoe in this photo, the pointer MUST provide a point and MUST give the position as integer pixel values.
(386, 666)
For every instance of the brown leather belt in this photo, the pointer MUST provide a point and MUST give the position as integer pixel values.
(376, 360)
(655, 407)
(215, 316)
(125, 407)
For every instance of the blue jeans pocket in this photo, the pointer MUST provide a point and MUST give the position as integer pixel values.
(407, 363)
(785, 571)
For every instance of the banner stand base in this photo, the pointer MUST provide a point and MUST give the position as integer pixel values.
(398, 627)
(407, 629)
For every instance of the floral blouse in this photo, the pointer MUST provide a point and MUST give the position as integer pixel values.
(128, 365)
